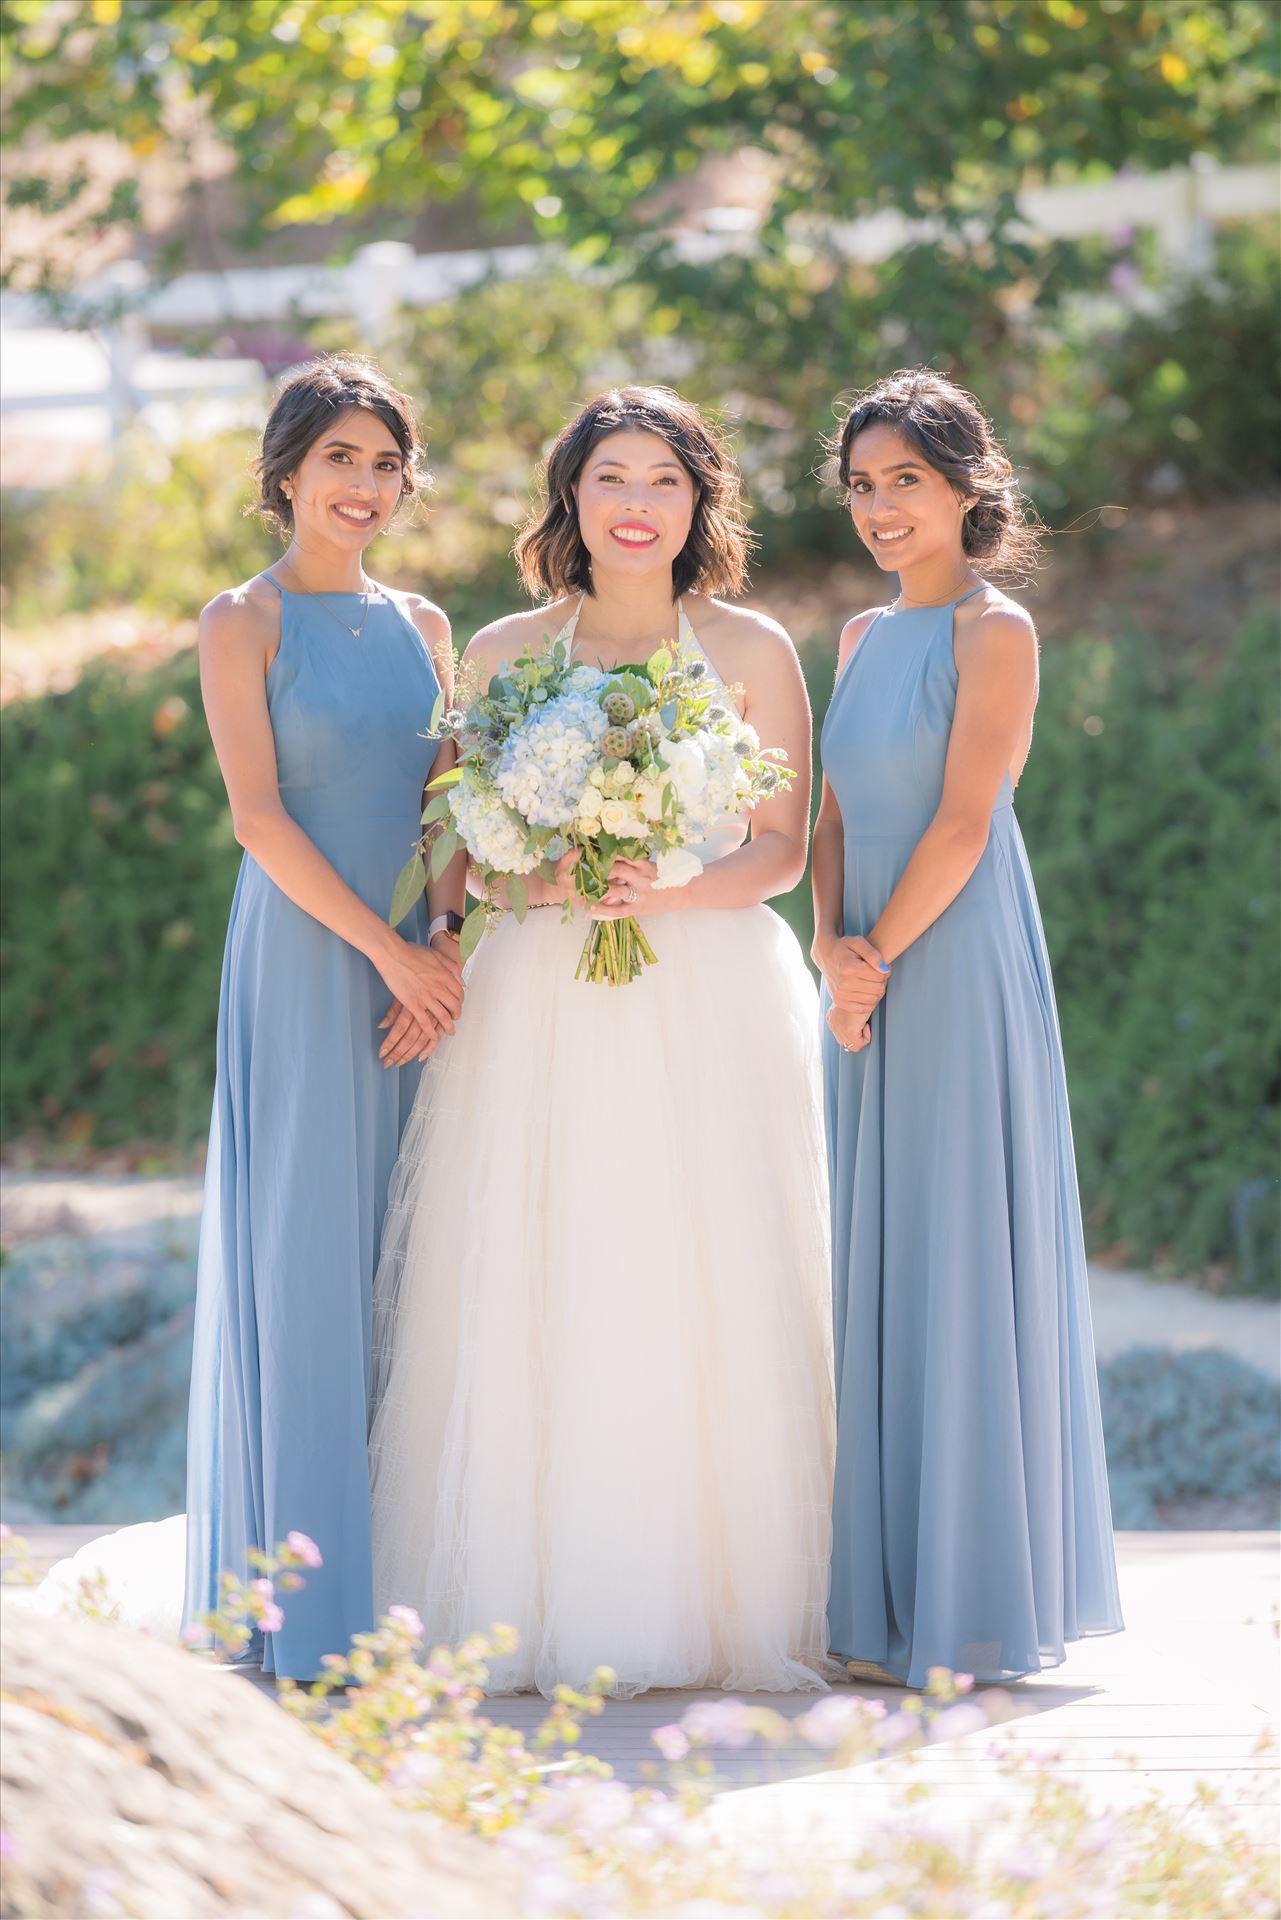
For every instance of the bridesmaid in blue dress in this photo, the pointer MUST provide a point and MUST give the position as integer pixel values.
(318, 687)
(972, 1526)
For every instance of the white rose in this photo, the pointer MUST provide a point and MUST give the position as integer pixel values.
(597, 775)
(618, 818)
(677, 866)
(686, 769)
(649, 798)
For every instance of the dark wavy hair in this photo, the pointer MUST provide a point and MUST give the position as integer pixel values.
(549, 548)
(308, 402)
(950, 431)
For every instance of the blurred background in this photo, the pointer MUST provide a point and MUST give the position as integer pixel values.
(1072, 208)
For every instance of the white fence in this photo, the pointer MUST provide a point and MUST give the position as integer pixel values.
(122, 375)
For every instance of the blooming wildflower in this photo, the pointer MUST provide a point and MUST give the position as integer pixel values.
(6, 1532)
(407, 1618)
(271, 1619)
(719, 1723)
(304, 1548)
(193, 1636)
(671, 1742)
(967, 1716)
(963, 1682)
(264, 1588)
(832, 1721)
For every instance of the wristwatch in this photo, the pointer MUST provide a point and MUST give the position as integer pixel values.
(450, 923)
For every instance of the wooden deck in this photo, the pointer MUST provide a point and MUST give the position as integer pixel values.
(1186, 1698)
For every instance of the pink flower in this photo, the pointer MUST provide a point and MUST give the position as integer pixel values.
(264, 1588)
(406, 1618)
(271, 1619)
(963, 1682)
(832, 1721)
(719, 1723)
(671, 1742)
(305, 1548)
(193, 1636)
(8, 1845)
(6, 1533)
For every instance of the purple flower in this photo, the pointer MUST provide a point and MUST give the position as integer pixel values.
(263, 1588)
(963, 1682)
(407, 1618)
(271, 1619)
(671, 1742)
(305, 1548)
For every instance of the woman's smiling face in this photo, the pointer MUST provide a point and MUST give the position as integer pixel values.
(904, 510)
(635, 502)
(348, 484)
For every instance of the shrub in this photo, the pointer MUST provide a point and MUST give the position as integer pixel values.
(1150, 808)
(1186, 1426)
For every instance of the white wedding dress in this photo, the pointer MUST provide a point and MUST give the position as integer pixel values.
(603, 1393)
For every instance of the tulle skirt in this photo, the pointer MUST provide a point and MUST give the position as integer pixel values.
(602, 1347)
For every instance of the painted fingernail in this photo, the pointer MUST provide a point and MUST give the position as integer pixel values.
(883, 967)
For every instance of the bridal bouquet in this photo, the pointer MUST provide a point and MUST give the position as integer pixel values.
(639, 764)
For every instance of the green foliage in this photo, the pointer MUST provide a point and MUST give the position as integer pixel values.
(1150, 811)
(574, 117)
(120, 865)
(164, 530)
(1182, 398)
(1150, 807)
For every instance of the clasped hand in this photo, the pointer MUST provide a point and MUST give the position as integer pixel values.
(856, 978)
(427, 983)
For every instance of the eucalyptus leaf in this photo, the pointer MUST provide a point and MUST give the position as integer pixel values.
(444, 847)
(447, 779)
(437, 808)
(659, 664)
(437, 711)
(517, 895)
(408, 890)
(470, 937)
(667, 715)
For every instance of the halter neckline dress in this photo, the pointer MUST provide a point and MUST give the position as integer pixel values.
(971, 1520)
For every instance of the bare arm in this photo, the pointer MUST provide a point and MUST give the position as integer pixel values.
(996, 664)
(853, 973)
(235, 645)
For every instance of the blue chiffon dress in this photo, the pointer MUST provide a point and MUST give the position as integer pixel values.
(305, 1132)
(971, 1526)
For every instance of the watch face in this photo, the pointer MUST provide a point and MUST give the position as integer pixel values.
(453, 922)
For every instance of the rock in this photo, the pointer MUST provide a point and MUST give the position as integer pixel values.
(140, 1780)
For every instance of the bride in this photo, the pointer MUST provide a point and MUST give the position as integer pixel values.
(602, 1340)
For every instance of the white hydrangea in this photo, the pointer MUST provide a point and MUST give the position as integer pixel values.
(490, 831)
(546, 759)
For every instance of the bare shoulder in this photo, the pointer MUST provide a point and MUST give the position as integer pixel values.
(244, 619)
(503, 639)
(994, 627)
(741, 640)
(852, 632)
(431, 621)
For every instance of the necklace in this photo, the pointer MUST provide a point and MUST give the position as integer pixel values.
(908, 605)
(346, 625)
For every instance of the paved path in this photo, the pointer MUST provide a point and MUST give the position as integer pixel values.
(1187, 1695)
(1129, 1309)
